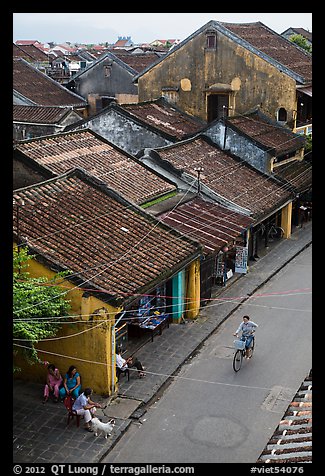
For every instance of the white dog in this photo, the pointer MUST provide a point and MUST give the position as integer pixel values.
(99, 426)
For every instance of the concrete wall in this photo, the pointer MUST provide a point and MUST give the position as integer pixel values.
(95, 81)
(239, 145)
(192, 69)
(85, 341)
(124, 132)
(23, 175)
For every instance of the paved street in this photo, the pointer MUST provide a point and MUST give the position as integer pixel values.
(209, 413)
(40, 433)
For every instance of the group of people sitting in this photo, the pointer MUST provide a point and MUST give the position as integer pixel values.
(61, 387)
(70, 384)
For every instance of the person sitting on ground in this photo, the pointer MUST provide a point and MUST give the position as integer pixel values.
(247, 327)
(86, 407)
(124, 364)
(53, 382)
(71, 383)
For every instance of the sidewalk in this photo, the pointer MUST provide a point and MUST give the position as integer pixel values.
(40, 431)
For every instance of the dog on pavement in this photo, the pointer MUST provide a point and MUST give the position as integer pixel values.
(99, 426)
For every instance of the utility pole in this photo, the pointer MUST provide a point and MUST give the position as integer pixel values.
(15, 202)
(198, 170)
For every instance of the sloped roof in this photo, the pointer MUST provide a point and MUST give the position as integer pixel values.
(85, 149)
(274, 46)
(75, 222)
(165, 117)
(137, 61)
(292, 440)
(40, 88)
(39, 114)
(29, 52)
(299, 31)
(262, 41)
(226, 175)
(210, 224)
(298, 174)
(267, 133)
(103, 57)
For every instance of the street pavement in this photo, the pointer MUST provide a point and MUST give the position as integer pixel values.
(41, 433)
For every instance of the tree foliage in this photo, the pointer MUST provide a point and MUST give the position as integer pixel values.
(302, 42)
(36, 303)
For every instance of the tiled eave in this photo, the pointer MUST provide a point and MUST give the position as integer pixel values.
(226, 175)
(112, 247)
(291, 442)
(85, 149)
(208, 223)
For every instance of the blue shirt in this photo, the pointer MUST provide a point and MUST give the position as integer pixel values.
(72, 381)
(246, 328)
(81, 401)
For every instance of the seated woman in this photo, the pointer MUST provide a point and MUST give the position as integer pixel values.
(53, 383)
(71, 383)
(123, 364)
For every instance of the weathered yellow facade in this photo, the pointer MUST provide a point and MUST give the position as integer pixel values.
(194, 72)
(193, 290)
(86, 341)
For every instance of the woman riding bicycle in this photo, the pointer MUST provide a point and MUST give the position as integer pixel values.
(247, 327)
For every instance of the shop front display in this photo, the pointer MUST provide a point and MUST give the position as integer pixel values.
(153, 324)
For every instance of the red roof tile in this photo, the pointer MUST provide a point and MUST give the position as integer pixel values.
(166, 118)
(84, 149)
(229, 177)
(208, 223)
(275, 46)
(39, 88)
(75, 222)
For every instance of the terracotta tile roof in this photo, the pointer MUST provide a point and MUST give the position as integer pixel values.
(166, 118)
(267, 133)
(39, 88)
(75, 222)
(84, 149)
(275, 46)
(39, 114)
(30, 53)
(292, 440)
(138, 61)
(298, 173)
(226, 175)
(208, 223)
(262, 41)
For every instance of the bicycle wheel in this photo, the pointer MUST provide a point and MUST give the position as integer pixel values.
(252, 347)
(238, 359)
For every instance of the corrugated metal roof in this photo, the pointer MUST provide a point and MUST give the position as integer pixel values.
(208, 223)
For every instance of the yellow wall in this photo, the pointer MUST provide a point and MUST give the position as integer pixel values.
(252, 80)
(193, 290)
(286, 214)
(89, 348)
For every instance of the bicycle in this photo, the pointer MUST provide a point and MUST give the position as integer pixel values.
(241, 351)
(275, 232)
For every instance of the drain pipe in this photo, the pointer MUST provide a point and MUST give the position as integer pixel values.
(113, 350)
